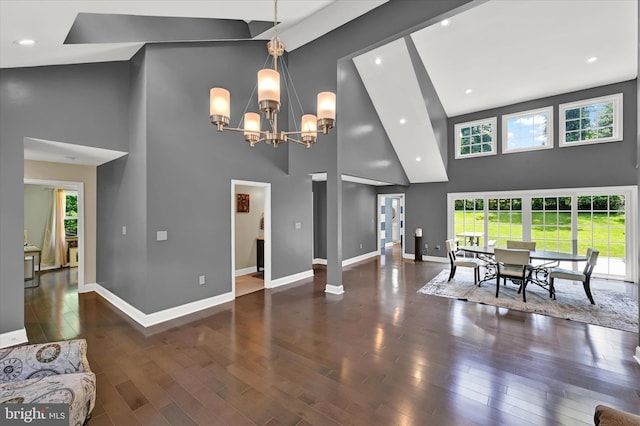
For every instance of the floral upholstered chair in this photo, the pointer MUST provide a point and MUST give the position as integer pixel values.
(56, 372)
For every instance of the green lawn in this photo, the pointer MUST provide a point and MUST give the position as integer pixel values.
(552, 231)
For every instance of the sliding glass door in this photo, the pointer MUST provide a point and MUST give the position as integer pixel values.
(564, 220)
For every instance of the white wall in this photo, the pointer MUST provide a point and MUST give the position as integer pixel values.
(248, 227)
(37, 207)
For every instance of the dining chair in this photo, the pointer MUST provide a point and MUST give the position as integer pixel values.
(467, 263)
(569, 274)
(512, 264)
(526, 245)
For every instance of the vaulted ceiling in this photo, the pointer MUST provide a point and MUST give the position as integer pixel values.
(496, 53)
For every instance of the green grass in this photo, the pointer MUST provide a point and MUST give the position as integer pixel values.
(594, 230)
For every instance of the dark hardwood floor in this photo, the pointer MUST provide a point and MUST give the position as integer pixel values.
(380, 354)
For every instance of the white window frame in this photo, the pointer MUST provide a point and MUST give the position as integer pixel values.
(631, 233)
(493, 121)
(617, 120)
(505, 129)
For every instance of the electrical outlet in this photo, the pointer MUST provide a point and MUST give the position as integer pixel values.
(201, 280)
(360, 245)
(426, 246)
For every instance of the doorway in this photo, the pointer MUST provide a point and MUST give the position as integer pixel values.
(75, 245)
(391, 222)
(250, 236)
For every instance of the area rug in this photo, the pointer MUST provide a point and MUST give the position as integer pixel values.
(613, 309)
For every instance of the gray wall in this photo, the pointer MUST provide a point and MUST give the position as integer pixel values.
(187, 168)
(607, 164)
(319, 220)
(77, 104)
(358, 218)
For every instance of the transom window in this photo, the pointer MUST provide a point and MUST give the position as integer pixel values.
(591, 121)
(528, 130)
(476, 138)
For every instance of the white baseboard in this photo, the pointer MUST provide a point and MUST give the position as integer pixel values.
(637, 355)
(334, 289)
(360, 258)
(87, 288)
(437, 259)
(389, 244)
(246, 271)
(147, 320)
(291, 278)
(319, 261)
(13, 338)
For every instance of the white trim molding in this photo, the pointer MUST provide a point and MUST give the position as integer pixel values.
(334, 289)
(637, 355)
(437, 259)
(319, 261)
(360, 258)
(147, 320)
(291, 278)
(246, 271)
(12, 338)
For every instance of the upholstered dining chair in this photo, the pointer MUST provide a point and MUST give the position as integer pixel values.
(569, 274)
(512, 263)
(525, 245)
(467, 263)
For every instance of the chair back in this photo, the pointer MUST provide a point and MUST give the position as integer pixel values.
(515, 257)
(451, 252)
(592, 259)
(525, 245)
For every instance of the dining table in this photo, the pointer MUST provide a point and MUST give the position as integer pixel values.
(539, 271)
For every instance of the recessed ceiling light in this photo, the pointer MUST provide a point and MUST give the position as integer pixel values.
(378, 61)
(445, 22)
(403, 120)
(592, 59)
(468, 91)
(25, 42)
(418, 159)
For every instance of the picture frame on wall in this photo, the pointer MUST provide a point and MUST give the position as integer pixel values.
(242, 203)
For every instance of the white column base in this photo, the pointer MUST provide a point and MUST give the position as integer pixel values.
(334, 289)
(13, 338)
(637, 355)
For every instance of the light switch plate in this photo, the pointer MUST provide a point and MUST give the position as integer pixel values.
(298, 225)
(161, 235)
(201, 279)
(124, 230)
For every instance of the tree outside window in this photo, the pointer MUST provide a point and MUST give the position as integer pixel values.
(71, 215)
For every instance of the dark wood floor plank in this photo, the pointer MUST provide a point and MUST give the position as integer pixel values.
(378, 354)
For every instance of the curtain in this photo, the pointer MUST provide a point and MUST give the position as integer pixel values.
(54, 251)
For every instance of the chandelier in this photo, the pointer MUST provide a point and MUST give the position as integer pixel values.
(269, 105)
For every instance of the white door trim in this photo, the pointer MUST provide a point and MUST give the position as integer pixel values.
(267, 231)
(77, 186)
(403, 212)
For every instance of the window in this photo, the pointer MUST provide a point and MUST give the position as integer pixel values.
(476, 138)
(469, 218)
(71, 214)
(551, 223)
(591, 121)
(504, 220)
(527, 131)
(563, 220)
(601, 225)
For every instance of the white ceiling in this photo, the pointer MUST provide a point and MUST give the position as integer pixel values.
(49, 21)
(505, 51)
(59, 152)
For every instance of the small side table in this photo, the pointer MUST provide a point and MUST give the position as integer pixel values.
(33, 252)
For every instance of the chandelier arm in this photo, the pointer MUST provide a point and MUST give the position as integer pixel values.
(295, 92)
